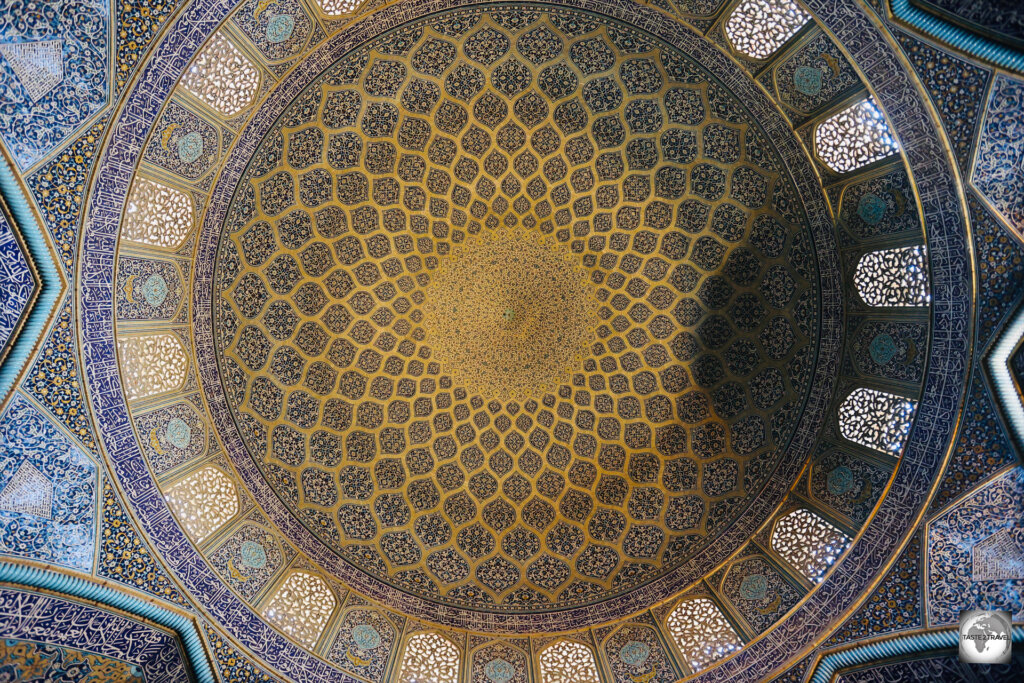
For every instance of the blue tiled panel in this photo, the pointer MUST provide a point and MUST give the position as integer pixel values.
(17, 284)
(999, 171)
(53, 72)
(64, 533)
(986, 521)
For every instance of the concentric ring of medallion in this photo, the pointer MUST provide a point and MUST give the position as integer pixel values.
(358, 388)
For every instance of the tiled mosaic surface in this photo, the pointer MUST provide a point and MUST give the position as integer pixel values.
(998, 173)
(123, 556)
(897, 603)
(960, 154)
(145, 652)
(47, 491)
(59, 187)
(55, 381)
(56, 64)
(17, 283)
(960, 576)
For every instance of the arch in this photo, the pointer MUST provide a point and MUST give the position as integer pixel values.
(893, 277)
(156, 215)
(876, 419)
(758, 28)
(151, 364)
(429, 658)
(809, 543)
(568, 661)
(222, 77)
(301, 606)
(854, 137)
(203, 501)
(701, 632)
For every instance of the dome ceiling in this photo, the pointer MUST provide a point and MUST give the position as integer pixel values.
(507, 342)
(514, 309)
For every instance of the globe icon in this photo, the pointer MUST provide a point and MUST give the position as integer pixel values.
(984, 637)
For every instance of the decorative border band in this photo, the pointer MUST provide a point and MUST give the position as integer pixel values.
(955, 36)
(76, 587)
(50, 283)
(900, 646)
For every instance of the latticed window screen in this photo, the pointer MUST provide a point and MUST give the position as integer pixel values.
(808, 542)
(156, 214)
(855, 137)
(151, 365)
(429, 658)
(338, 7)
(568, 662)
(702, 632)
(893, 277)
(301, 607)
(203, 502)
(876, 419)
(222, 77)
(760, 27)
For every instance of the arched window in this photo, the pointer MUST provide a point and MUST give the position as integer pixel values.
(893, 277)
(222, 77)
(758, 28)
(151, 365)
(301, 607)
(568, 662)
(808, 542)
(157, 215)
(876, 419)
(854, 137)
(338, 7)
(203, 502)
(429, 658)
(702, 632)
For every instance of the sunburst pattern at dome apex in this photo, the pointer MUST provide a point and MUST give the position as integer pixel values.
(512, 317)
(447, 421)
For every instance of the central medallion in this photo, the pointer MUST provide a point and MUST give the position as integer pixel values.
(510, 315)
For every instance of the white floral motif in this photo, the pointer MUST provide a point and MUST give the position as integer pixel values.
(222, 77)
(758, 28)
(203, 502)
(808, 542)
(702, 632)
(301, 607)
(855, 137)
(429, 658)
